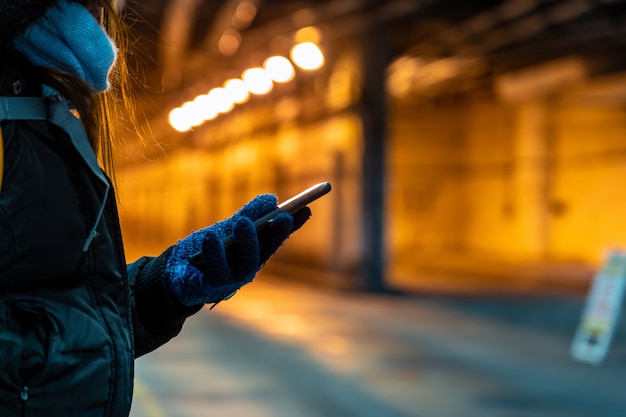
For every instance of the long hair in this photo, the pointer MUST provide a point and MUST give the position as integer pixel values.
(101, 113)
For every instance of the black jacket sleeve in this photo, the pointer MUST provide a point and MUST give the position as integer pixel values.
(157, 316)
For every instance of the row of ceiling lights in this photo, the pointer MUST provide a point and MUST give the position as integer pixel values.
(257, 81)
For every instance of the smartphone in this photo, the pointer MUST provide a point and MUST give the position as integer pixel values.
(291, 205)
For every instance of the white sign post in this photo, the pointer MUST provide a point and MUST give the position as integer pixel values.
(601, 312)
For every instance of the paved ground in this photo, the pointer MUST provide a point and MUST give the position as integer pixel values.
(284, 350)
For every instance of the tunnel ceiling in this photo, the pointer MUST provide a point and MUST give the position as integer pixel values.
(508, 34)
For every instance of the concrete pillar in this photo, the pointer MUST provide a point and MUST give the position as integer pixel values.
(373, 109)
(532, 179)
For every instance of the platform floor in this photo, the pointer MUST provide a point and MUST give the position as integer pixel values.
(287, 350)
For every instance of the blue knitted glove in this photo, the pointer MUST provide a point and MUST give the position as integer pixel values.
(199, 268)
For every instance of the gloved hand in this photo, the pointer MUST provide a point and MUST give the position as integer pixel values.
(199, 268)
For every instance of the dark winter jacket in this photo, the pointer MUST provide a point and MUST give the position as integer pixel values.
(73, 315)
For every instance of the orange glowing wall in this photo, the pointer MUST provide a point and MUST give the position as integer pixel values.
(475, 178)
(484, 180)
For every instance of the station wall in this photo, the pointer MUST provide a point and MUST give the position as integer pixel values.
(473, 182)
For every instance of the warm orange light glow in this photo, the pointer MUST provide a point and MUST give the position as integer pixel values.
(236, 90)
(307, 55)
(178, 120)
(279, 69)
(193, 113)
(244, 14)
(401, 74)
(220, 99)
(229, 42)
(308, 34)
(206, 107)
(257, 81)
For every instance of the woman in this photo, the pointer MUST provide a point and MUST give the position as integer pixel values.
(73, 315)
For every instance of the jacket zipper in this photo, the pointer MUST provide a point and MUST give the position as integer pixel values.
(24, 397)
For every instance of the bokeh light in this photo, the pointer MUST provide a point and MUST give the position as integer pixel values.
(257, 81)
(206, 107)
(193, 113)
(308, 34)
(178, 120)
(221, 100)
(279, 69)
(236, 90)
(244, 14)
(229, 42)
(307, 56)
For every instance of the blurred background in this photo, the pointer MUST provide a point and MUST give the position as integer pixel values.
(476, 149)
(475, 137)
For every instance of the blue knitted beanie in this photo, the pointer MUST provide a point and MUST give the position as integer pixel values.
(68, 38)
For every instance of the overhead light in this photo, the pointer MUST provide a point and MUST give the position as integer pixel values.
(221, 100)
(206, 107)
(236, 90)
(229, 42)
(307, 56)
(193, 113)
(178, 120)
(257, 81)
(244, 14)
(279, 69)
(308, 34)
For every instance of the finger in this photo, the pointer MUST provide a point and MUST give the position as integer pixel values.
(273, 236)
(213, 264)
(300, 217)
(243, 255)
(259, 206)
